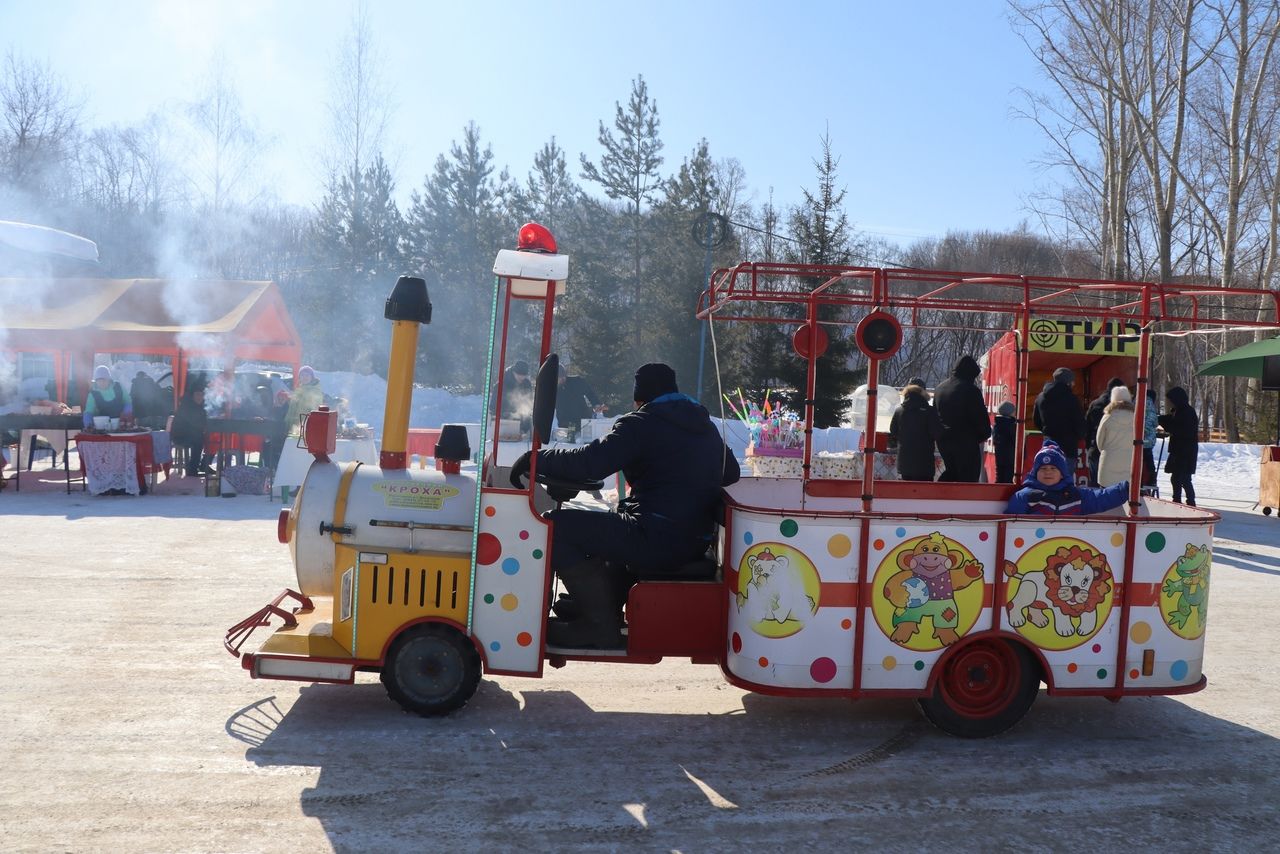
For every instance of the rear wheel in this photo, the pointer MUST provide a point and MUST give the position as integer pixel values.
(985, 687)
(431, 670)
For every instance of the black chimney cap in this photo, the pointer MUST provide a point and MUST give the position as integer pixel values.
(408, 301)
(452, 444)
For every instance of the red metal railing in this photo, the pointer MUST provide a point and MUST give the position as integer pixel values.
(240, 632)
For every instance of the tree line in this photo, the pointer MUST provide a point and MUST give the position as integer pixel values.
(1160, 118)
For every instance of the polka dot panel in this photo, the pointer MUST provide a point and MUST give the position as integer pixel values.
(510, 593)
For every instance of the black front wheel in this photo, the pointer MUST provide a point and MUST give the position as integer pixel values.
(985, 687)
(431, 670)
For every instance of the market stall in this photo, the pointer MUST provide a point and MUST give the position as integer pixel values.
(67, 322)
(1095, 352)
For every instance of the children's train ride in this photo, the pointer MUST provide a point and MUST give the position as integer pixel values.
(838, 586)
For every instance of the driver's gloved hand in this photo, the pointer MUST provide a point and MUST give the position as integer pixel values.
(520, 469)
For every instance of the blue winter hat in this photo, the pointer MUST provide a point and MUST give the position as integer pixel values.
(1050, 455)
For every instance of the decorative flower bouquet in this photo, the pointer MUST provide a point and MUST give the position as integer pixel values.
(777, 436)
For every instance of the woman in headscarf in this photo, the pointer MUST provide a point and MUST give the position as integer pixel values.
(307, 397)
(106, 397)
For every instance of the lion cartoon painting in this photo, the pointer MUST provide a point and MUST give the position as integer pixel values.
(775, 591)
(1073, 583)
(925, 585)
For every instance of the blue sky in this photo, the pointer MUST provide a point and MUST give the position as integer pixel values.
(918, 97)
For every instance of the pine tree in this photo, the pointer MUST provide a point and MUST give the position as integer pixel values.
(822, 235)
(628, 172)
(455, 225)
(357, 243)
(677, 273)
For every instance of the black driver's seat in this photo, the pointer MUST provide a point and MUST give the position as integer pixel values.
(703, 568)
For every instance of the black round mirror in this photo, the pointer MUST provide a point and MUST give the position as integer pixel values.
(544, 398)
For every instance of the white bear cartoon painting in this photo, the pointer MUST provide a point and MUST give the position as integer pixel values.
(775, 591)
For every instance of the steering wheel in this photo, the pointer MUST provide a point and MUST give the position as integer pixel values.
(562, 490)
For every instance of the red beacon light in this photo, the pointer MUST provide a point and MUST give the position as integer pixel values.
(536, 238)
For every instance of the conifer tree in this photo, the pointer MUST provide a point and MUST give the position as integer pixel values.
(357, 241)
(822, 234)
(628, 172)
(455, 226)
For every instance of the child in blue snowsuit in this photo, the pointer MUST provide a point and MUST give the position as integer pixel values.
(1048, 490)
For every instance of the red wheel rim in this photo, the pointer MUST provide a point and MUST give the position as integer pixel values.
(981, 679)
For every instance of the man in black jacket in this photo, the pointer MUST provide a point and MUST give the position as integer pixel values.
(575, 400)
(1092, 418)
(1058, 416)
(965, 423)
(675, 463)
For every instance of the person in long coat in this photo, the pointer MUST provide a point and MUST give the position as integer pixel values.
(1092, 418)
(188, 429)
(1058, 414)
(1114, 439)
(913, 430)
(1183, 426)
(965, 422)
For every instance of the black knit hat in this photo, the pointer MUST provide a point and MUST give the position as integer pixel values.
(653, 380)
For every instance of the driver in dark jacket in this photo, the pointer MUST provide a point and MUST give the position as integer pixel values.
(675, 464)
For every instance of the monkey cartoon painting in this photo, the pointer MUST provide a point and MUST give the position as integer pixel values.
(925, 585)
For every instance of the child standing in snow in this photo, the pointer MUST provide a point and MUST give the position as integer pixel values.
(1048, 491)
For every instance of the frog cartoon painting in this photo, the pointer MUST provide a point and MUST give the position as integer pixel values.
(1188, 581)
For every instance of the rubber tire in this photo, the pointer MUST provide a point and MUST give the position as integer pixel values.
(985, 687)
(1266, 511)
(431, 670)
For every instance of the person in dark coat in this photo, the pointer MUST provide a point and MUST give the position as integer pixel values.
(517, 395)
(188, 429)
(1004, 436)
(1183, 426)
(1092, 418)
(150, 408)
(575, 400)
(1058, 416)
(965, 423)
(675, 463)
(913, 430)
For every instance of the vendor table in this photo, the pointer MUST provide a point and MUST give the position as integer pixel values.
(122, 460)
(243, 434)
(52, 427)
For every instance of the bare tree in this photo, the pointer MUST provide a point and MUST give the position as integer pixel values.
(226, 147)
(227, 143)
(1091, 125)
(38, 124)
(360, 101)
